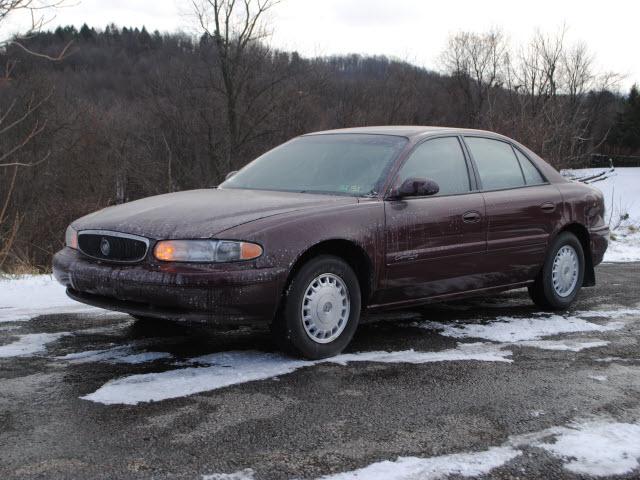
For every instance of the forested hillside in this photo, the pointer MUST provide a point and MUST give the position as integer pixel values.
(126, 113)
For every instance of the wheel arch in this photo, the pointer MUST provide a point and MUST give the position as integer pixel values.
(581, 232)
(352, 253)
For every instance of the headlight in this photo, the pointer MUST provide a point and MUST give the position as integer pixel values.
(71, 238)
(206, 251)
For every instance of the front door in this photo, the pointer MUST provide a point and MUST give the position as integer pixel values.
(435, 243)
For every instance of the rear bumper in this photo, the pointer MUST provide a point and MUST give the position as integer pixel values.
(599, 238)
(221, 294)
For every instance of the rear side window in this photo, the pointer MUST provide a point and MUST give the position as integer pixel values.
(497, 164)
(441, 160)
(531, 174)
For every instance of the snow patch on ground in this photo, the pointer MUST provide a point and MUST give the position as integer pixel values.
(564, 345)
(595, 448)
(27, 296)
(520, 329)
(30, 344)
(223, 369)
(123, 354)
(616, 359)
(246, 474)
(229, 368)
(410, 468)
(143, 357)
(482, 352)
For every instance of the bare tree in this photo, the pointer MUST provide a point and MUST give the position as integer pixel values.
(236, 29)
(546, 101)
(20, 116)
(477, 62)
(553, 79)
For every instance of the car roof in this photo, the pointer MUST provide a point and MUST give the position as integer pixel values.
(408, 131)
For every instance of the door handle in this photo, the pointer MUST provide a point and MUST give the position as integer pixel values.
(548, 207)
(471, 217)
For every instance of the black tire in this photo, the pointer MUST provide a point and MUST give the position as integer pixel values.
(542, 291)
(288, 329)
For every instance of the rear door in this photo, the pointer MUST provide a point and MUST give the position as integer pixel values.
(434, 243)
(522, 210)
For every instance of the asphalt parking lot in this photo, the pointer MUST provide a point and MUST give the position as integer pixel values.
(488, 375)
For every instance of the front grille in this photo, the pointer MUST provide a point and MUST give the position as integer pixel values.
(112, 246)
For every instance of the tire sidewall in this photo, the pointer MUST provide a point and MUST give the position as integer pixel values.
(554, 299)
(294, 331)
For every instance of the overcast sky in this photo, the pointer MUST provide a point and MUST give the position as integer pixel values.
(412, 30)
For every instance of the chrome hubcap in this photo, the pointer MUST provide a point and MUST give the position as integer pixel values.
(564, 273)
(325, 308)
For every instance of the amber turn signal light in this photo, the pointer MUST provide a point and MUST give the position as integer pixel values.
(249, 251)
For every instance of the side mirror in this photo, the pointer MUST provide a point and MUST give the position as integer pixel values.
(415, 187)
(230, 174)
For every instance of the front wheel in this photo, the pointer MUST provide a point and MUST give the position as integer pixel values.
(560, 279)
(320, 310)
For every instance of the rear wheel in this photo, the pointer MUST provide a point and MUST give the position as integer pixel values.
(320, 309)
(558, 283)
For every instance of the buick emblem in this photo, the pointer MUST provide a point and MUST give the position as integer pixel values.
(105, 247)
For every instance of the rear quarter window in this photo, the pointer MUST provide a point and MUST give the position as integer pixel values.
(531, 174)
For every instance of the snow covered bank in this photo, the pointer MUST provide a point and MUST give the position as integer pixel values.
(624, 245)
(621, 192)
(27, 296)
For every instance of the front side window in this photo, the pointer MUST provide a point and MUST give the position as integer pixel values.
(531, 173)
(497, 164)
(342, 164)
(441, 160)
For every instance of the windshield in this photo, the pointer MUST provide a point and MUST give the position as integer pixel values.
(344, 164)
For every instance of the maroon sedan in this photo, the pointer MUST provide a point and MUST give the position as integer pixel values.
(332, 224)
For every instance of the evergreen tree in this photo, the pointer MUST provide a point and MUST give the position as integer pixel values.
(87, 33)
(626, 133)
(144, 38)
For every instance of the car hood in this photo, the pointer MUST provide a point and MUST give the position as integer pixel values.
(200, 213)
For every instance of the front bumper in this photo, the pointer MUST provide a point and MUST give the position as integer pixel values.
(599, 238)
(221, 294)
